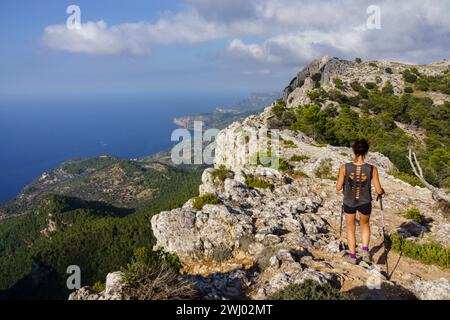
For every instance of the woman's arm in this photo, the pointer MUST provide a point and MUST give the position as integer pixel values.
(376, 181)
(340, 181)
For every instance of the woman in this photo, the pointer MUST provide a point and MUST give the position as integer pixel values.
(356, 179)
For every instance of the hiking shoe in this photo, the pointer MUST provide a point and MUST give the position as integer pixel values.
(366, 257)
(351, 260)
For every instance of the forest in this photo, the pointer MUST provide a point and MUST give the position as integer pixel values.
(97, 237)
(376, 113)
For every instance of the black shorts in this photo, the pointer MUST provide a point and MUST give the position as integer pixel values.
(365, 209)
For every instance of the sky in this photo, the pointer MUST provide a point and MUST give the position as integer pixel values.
(192, 46)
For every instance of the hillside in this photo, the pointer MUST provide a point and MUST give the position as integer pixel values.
(122, 183)
(52, 229)
(259, 232)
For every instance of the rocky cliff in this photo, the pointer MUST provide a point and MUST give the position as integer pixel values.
(270, 228)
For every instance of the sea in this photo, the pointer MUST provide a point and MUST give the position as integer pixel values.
(39, 133)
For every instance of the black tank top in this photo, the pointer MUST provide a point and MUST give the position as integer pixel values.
(357, 184)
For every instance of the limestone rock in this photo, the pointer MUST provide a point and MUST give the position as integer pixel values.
(432, 290)
(85, 293)
(114, 286)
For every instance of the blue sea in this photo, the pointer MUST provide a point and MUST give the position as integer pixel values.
(37, 134)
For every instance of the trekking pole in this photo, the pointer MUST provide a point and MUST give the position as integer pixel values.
(380, 198)
(342, 215)
(385, 240)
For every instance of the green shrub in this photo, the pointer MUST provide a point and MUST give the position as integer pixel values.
(310, 290)
(409, 77)
(388, 89)
(284, 116)
(415, 71)
(317, 95)
(253, 182)
(99, 286)
(371, 85)
(299, 174)
(358, 60)
(316, 77)
(151, 277)
(422, 85)
(325, 171)
(389, 70)
(289, 144)
(373, 64)
(283, 165)
(207, 198)
(356, 86)
(339, 84)
(408, 178)
(298, 158)
(409, 90)
(428, 253)
(221, 173)
(414, 214)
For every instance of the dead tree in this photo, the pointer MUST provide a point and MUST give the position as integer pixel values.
(438, 194)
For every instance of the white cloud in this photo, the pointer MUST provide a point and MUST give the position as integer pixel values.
(288, 32)
(135, 38)
(93, 38)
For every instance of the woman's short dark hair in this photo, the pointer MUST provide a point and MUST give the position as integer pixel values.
(361, 147)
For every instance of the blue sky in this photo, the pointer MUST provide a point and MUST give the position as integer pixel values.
(144, 47)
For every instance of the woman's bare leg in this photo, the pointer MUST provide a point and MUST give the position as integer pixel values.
(351, 240)
(365, 229)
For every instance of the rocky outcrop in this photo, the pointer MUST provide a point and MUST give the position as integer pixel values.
(315, 67)
(113, 290)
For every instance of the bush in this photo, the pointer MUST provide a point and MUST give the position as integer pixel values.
(414, 214)
(388, 89)
(207, 198)
(310, 290)
(289, 144)
(283, 165)
(409, 90)
(409, 77)
(371, 85)
(428, 253)
(338, 83)
(356, 86)
(221, 173)
(324, 171)
(99, 286)
(151, 277)
(316, 77)
(299, 174)
(253, 182)
(358, 60)
(298, 158)
(317, 95)
(422, 85)
(373, 64)
(389, 70)
(284, 116)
